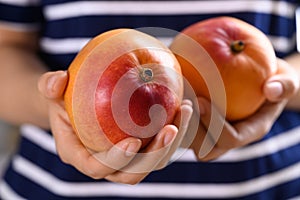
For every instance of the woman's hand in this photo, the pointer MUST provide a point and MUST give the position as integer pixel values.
(216, 136)
(124, 162)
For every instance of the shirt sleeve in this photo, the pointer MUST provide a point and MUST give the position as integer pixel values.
(23, 15)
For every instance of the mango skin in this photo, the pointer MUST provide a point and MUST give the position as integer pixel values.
(243, 73)
(95, 89)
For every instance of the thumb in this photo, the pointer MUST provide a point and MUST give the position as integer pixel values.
(273, 90)
(283, 84)
(52, 84)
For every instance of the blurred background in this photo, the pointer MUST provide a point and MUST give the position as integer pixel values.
(8, 139)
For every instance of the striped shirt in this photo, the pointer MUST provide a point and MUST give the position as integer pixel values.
(267, 169)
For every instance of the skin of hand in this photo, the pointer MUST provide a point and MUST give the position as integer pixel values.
(209, 145)
(124, 162)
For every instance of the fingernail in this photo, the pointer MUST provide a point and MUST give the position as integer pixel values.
(169, 136)
(275, 89)
(132, 148)
(51, 82)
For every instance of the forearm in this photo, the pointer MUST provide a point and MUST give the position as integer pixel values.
(294, 102)
(19, 72)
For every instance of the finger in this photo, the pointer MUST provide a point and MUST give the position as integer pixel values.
(218, 130)
(201, 149)
(282, 85)
(182, 121)
(186, 102)
(251, 129)
(213, 154)
(204, 146)
(146, 161)
(72, 151)
(52, 84)
(119, 155)
(243, 132)
(257, 125)
(191, 131)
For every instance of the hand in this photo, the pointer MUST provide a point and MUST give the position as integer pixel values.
(124, 162)
(216, 136)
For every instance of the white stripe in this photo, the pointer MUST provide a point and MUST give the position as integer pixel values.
(61, 46)
(264, 148)
(185, 190)
(39, 137)
(45, 141)
(183, 155)
(297, 13)
(73, 45)
(21, 2)
(295, 198)
(68, 10)
(283, 44)
(7, 193)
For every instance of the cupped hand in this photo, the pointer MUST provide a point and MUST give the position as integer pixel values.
(125, 162)
(216, 136)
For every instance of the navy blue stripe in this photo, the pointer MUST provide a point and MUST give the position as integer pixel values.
(281, 54)
(23, 185)
(57, 62)
(90, 26)
(31, 191)
(52, 2)
(226, 172)
(51, 162)
(30, 14)
(193, 172)
(285, 122)
(280, 192)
